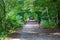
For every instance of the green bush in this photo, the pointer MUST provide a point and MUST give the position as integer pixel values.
(47, 24)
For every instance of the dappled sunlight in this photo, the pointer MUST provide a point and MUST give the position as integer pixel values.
(13, 39)
(55, 33)
(32, 25)
(16, 39)
(12, 31)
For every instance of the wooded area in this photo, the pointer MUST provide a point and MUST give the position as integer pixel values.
(14, 14)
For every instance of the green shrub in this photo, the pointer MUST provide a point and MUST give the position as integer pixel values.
(47, 24)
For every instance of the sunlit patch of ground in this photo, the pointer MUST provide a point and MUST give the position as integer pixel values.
(12, 39)
(15, 39)
(55, 34)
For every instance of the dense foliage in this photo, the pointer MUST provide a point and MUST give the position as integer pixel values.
(14, 13)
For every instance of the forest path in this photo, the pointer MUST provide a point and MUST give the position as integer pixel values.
(32, 31)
